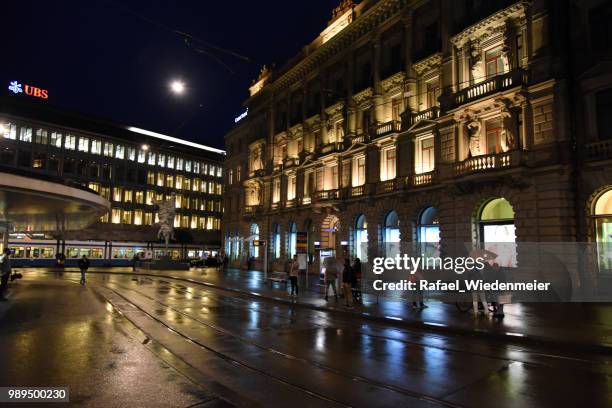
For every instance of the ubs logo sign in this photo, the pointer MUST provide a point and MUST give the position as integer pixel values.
(17, 88)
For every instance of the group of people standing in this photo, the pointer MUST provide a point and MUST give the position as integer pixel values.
(351, 276)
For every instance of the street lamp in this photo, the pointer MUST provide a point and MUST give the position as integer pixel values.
(145, 147)
(177, 87)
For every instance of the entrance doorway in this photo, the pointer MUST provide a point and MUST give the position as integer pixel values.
(602, 212)
(496, 230)
(329, 228)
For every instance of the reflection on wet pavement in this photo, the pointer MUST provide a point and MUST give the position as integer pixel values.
(268, 352)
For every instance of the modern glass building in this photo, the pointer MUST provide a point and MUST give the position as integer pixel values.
(131, 167)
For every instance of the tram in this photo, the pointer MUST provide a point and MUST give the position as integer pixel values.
(27, 252)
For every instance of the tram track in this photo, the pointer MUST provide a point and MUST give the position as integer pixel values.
(355, 326)
(181, 287)
(335, 371)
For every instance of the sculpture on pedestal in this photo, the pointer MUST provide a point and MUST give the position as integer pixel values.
(507, 133)
(474, 128)
(167, 211)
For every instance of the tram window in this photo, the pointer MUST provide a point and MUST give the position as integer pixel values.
(18, 252)
(72, 252)
(92, 253)
(47, 253)
(123, 253)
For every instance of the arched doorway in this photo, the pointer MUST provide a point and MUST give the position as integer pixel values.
(291, 240)
(496, 230)
(236, 245)
(428, 232)
(254, 250)
(428, 226)
(329, 228)
(602, 212)
(276, 241)
(496, 221)
(310, 238)
(360, 238)
(391, 233)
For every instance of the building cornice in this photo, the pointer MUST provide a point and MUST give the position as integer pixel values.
(490, 23)
(363, 24)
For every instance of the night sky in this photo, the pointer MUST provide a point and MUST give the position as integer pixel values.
(114, 59)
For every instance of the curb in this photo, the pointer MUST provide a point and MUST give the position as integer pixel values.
(395, 321)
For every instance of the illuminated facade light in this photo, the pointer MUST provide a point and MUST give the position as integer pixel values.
(173, 139)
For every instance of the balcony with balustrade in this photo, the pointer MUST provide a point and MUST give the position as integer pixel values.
(326, 195)
(428, 114)
(487, 162)
(422, 179)
(387, 128)
(357, 191)
(387, 186)
(330, 148)
(488, 87)
(600, 150)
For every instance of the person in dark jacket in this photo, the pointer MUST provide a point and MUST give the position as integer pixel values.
(135, 261)
(348, 281)
(5, 272)
(357, 286)
(83, 266)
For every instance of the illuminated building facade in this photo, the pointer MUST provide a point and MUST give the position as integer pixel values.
(130, 167)
(464, 121)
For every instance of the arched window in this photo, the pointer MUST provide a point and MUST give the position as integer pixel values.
(602, 211)
(254, 250)
(428, 228)
(497, 221)
(391, 234)
(276, 241)
(236, 245)
(291, 239)
(360, 238)
(228, 245)
(497, 231)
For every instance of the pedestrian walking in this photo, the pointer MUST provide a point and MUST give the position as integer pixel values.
(418, 302)
(83, 266)
(5, 272)
(135, 260)
(294, 273)
(348, 280)
(357, 287)
(331, 274)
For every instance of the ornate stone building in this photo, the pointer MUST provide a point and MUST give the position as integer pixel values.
(428, 120)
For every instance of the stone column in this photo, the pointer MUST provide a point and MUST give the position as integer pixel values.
(411, 76)
(377, 99)
(526, 139)
(323, 100)
(447, 57)
(405, 162)
(352, 120)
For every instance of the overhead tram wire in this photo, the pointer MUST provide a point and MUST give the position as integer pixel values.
(194, 43)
